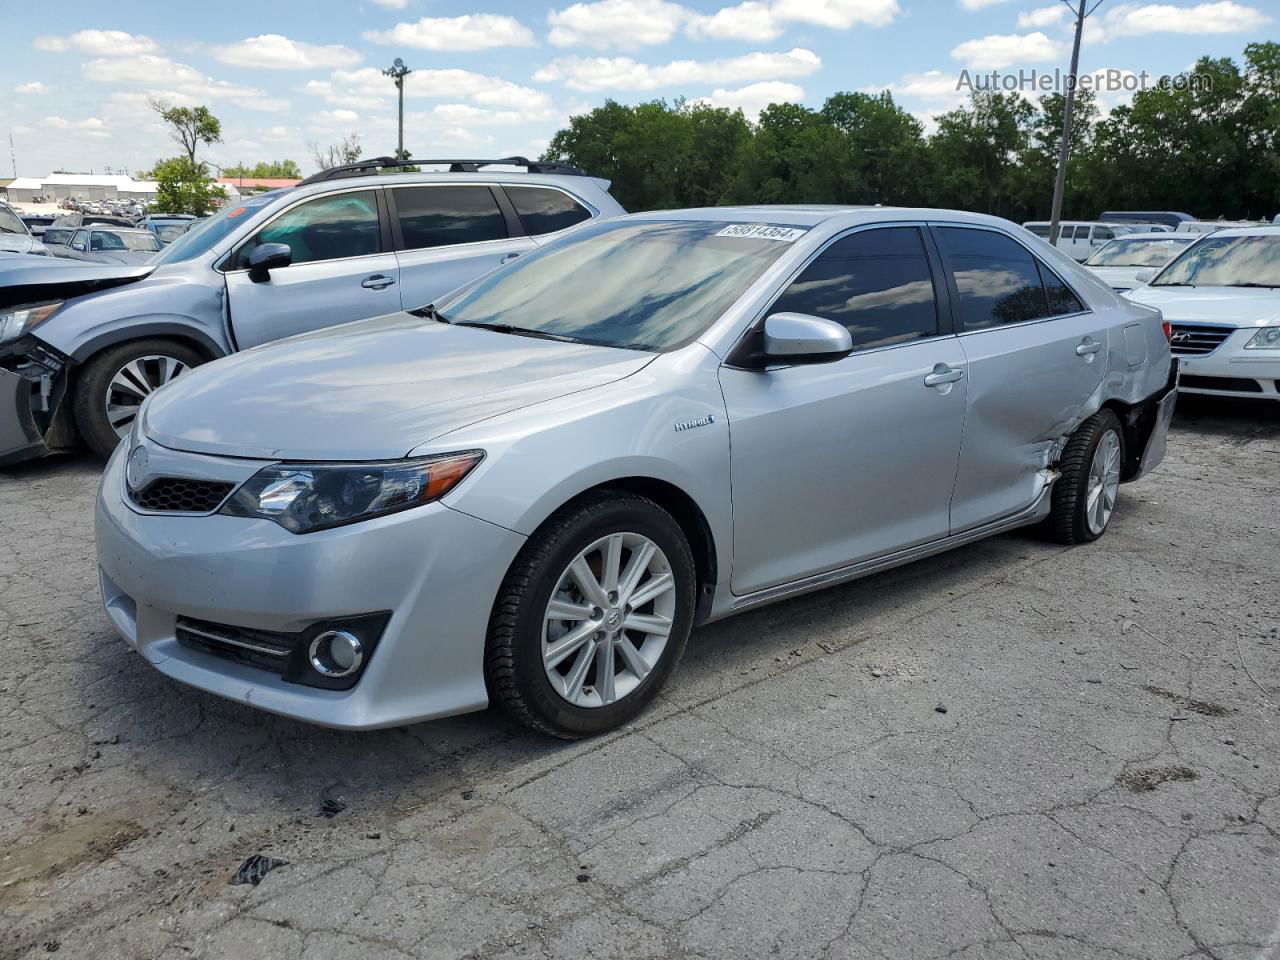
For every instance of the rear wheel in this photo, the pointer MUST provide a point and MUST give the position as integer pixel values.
(113, 385)
(592, 617)
(1084, 498)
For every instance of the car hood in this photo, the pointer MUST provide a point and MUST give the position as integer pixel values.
(369, 390)
(17, 243)
(1126, 276)
(32, 279)
(122, 256)
(1241, 306)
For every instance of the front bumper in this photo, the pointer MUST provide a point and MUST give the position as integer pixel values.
(1233, 371)
(33, 382)
(436, 570)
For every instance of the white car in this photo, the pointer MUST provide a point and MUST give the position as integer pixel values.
(1120, 261)
(1213, 226)
(1221, 297)
(1078, 239)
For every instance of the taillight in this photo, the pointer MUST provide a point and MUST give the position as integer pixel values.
(1167, 327)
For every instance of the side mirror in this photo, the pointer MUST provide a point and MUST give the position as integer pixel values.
(78, 246)
(267, 257)
(801, 338)
(1144, 276)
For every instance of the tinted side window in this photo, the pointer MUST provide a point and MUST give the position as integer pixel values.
(877, 283)
(997, 279)
(1040, 229)
(1061, 298)
(1103, 233)
(545, 211)
(441, 216)
(327, 228)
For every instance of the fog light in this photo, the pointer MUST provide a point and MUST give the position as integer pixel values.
(336, 653)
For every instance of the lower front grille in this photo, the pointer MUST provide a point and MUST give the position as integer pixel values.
(1235, 384)
(1197, 340)
(181, 495)
(258, 648)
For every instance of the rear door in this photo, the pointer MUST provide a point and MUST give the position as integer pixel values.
(833, 463)
(448, 234)
(342, 269)
(1035, 355)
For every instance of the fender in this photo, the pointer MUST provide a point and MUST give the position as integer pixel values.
(173, 328)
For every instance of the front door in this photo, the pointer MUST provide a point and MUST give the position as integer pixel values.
(340, 270)
(1035, 355)
(839, 462)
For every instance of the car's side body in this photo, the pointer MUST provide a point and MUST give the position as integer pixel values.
(212, 302)
(785, 477)
(1078, 239)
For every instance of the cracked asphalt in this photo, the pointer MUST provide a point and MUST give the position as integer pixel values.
(1014, 750)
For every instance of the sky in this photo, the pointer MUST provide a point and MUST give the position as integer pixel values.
(495, 78)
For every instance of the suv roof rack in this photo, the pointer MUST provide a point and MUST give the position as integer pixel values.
(455, 166)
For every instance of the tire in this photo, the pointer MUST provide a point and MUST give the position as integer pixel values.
(157, 362)
(1073, 518)
(521, 627)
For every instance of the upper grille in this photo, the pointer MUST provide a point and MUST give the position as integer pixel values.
(1196, 340)
(181, 494)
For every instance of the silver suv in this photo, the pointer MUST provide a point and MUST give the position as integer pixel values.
(529, 493)
(80, 349)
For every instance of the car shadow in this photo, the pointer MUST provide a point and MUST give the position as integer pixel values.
(1239, 419)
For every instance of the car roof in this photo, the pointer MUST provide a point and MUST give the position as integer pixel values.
(1261, 230)
(1158, 235)
(812, 215)
(509, 176)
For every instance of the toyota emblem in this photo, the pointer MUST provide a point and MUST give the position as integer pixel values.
(136, 471)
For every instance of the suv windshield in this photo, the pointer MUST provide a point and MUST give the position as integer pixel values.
(199, 239)
(1138, 253)
(9, 222)
(1226, 262)
(135, 240)
(653, 285)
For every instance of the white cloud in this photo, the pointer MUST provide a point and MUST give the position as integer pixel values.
(271, 51)
(177, 82)
(368, 89)
(972, 5)
(90, 125)
(751, 20)
(1003, 50)
(1129, 20)
(837, 14)
(619, 23)
(471, 31)
(623, 73)
(392, 4)
(930, 85)
(754, 97)
(99, 43)
(1042, 17)
(35, 86)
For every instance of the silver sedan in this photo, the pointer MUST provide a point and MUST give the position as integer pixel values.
(529, 492)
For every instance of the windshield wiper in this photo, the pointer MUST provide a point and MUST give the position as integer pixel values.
(1174, 283)
(1265, 286)
(429, 312)
(519, 331)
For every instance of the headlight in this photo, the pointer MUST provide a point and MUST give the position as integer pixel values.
(1268, 338)
(303, 497)
(15, 321)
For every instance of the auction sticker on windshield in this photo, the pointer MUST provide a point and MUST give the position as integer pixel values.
(762, 231)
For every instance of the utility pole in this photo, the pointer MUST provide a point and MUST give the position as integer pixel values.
(397, 72)
(1064, 151)
(13, 157)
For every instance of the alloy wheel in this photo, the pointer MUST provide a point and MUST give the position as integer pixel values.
(1104, 482)
(133, 382)
(608, 620)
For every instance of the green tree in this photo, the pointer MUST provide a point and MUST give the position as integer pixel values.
(796, 156)
(976, 152)
(183, 186)
(887, 158)
(190, 126)
(266, 170)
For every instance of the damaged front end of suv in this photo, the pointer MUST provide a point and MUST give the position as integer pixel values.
(34, 417)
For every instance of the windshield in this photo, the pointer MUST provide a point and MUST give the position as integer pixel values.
(1217, 261)
(9, 222)
(111, 240)
(199, 239)
(653, 285)
(57, 235)
(170, 231)
(1138, 253)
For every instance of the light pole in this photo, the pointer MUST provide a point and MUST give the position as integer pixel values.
(1064, 151)
(397, 72)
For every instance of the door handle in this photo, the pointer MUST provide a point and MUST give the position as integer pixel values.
(1088, 348)
(377, 282)
(943, 374)
(508, 258)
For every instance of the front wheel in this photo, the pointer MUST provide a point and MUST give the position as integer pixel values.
(1084, 498)
(592, 616)
(113, 385)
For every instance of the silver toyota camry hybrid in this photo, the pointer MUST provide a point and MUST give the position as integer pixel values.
(530, 491)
